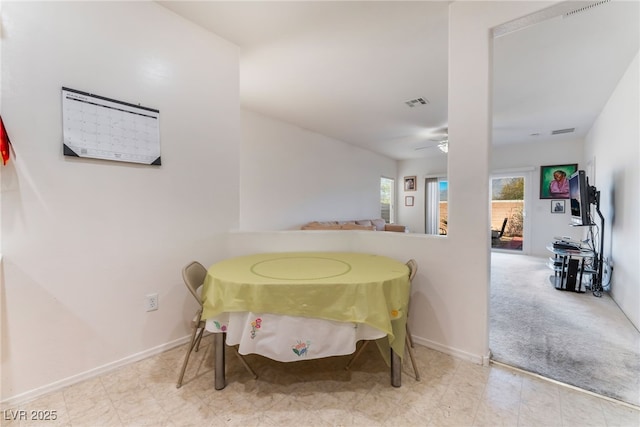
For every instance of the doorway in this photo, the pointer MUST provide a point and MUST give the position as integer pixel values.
(508, 212)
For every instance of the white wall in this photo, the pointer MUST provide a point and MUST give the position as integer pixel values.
(613, 146)
(84, 240)
(290, 176)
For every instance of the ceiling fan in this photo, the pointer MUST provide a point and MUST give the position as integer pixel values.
(442, 140)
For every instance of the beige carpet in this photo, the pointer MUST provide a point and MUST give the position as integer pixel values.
(573, 338)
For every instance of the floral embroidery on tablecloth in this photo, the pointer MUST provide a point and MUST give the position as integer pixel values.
(220, 326)
(255, 325)
(395, 314)
(301, 348)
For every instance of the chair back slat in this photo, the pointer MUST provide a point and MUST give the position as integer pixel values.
(413, 268)
(193, 276)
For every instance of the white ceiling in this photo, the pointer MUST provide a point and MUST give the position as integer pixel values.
(345, 69)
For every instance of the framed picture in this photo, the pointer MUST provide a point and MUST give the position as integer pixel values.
(557, 206)
(408, 200)
(410, 183)
(554, 180)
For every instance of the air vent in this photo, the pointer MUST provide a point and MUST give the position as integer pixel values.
(585, 8)
(416, 102)
(564, 9)
(560, 131)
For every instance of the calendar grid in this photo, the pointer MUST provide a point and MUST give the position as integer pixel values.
(103, 128)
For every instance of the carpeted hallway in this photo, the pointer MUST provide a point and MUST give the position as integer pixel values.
(573, 338)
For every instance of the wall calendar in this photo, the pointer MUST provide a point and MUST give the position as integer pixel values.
(103, 128)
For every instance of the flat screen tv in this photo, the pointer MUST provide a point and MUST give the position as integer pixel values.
(579, 196)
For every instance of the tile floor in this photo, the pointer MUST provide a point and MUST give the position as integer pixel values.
(321, 393)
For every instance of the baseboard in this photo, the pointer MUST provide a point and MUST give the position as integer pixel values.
(58, 385)
(30, 395)
(451, 351)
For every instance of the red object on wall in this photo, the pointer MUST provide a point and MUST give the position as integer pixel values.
(5, 143)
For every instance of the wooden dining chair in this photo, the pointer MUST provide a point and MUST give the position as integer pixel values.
(413, 269)
(193, 275)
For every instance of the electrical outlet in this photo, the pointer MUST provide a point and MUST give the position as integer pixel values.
(151, 302)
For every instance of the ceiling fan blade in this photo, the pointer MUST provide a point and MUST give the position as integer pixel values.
(442, 145)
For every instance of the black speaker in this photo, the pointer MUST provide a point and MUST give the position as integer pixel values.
(572, 275)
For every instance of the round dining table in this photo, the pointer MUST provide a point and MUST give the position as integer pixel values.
(292, 306)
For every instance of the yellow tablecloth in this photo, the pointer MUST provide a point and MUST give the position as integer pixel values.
(339, 286)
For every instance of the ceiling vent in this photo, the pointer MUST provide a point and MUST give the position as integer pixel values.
(564, 9)
(585, 8)
(416, 102)
(561, 131)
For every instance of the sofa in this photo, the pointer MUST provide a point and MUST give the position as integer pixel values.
(377, 224)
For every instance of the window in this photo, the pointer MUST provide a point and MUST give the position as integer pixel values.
(436, 206)
(507, 204)
(387, 197)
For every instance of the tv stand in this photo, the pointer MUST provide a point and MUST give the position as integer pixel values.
(568, 267)
(569, 263)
